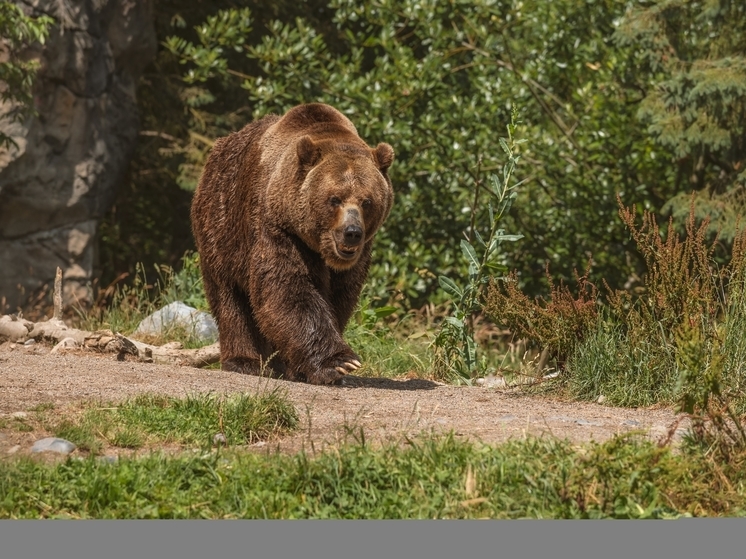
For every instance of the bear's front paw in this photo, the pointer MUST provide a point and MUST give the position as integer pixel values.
(332, 371)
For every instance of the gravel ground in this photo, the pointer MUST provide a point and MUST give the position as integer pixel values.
(385, 409)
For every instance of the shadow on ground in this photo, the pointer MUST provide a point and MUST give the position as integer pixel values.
(351, 381)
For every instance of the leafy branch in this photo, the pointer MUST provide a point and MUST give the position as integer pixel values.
(455, 341)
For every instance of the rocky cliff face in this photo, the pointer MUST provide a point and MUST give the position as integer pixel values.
(70, 159)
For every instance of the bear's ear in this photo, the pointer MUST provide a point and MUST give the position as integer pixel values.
(308, 152)
(384, 155)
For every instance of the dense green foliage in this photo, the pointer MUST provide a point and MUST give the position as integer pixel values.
(434, 478)
(436, 80)
(18, 31)
(599, 83)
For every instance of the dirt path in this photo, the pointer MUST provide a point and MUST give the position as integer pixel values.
(386, 409)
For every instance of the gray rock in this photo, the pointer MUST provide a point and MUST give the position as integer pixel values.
(66, 343)
(631, 423)
(51, 444)
(200, 323)
(491, 381)
(63, 175)
(13, 328)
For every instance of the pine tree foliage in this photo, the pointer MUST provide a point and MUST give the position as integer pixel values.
(694, 55)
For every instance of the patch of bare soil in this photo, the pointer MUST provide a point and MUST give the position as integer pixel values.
(385, 409)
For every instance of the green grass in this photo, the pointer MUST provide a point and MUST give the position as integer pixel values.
(21, 425)
(391, 349)
(431, 478)
(45, 406)
(195, 420)
(386, 354)
(627, 372)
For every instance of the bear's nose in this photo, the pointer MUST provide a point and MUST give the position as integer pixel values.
(353, 234)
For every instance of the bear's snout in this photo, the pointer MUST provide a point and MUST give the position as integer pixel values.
(353, 234)
(350, 233)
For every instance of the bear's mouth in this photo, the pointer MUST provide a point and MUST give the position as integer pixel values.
(347, 252)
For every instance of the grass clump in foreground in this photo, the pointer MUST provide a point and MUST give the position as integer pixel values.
(195, 420)
(432, 478)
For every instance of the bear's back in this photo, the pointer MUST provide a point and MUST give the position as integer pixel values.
(313, 117)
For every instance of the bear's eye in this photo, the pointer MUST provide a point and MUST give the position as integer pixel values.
(367, 203)
(334, 201)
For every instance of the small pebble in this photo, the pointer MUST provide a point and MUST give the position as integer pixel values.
(219, 438)
(19, 415)
(601, 399)
(32, 341)
(631, 422)
(14, 449)
(586, 422)
(51, 444)
(560, 418)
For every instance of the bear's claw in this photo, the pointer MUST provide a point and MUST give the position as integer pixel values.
(335, 369)
(349, 366)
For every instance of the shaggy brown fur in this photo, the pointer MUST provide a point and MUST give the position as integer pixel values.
(284, 219)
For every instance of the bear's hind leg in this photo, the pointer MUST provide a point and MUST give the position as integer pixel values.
(241, 343)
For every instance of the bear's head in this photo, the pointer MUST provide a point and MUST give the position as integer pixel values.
(347, 193)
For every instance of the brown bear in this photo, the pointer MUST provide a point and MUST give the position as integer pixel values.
(284, 218)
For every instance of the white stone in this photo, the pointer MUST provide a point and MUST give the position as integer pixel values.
(51, 444)
(200, 323)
